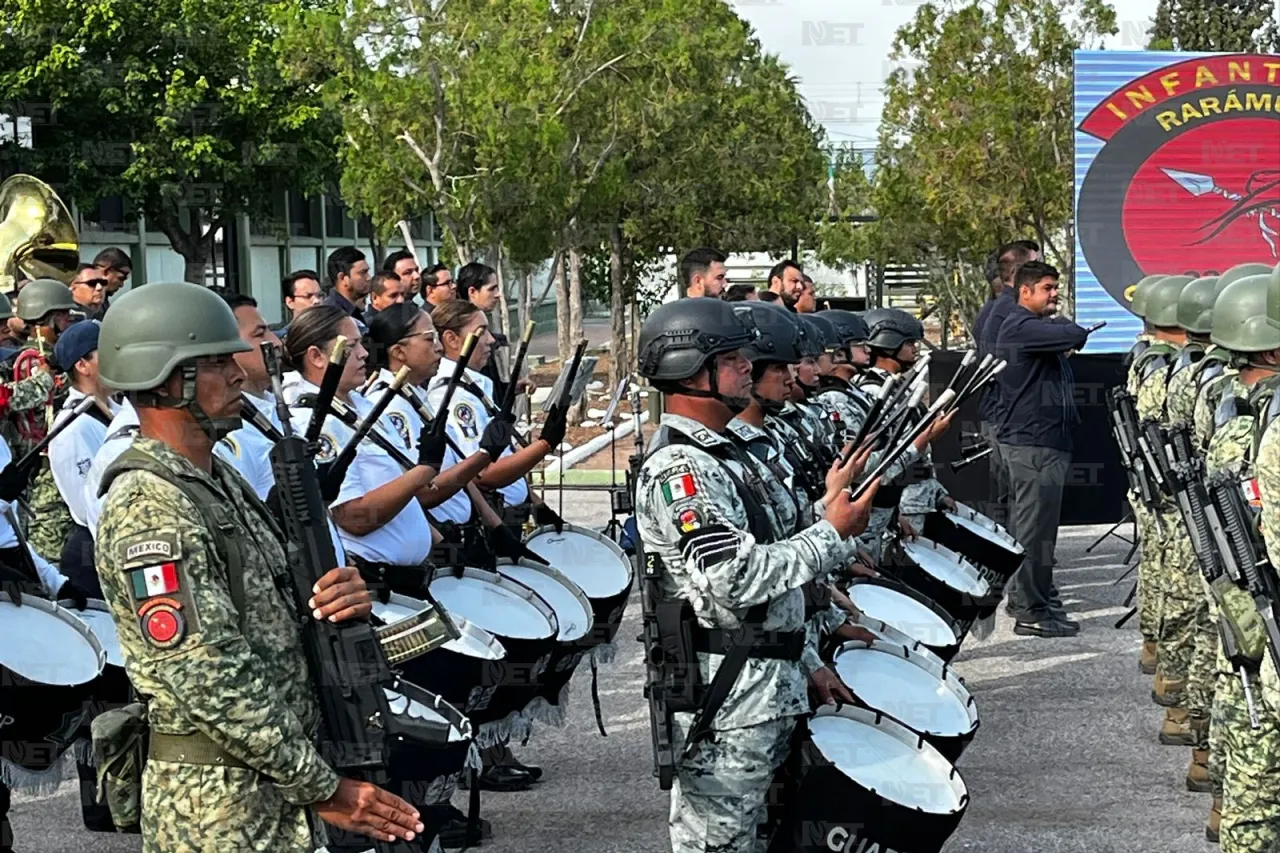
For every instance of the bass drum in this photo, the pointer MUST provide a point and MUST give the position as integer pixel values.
(859, 782)
(597, 565)
(980, 540)
(517, 617)
(442, 734)
(917, 690)
(942, 576)
(912, 613)
(573, 612)
(49, 660)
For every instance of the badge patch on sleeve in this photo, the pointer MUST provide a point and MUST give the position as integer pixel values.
(678, 487)
(162, 623)
(688, 520)
(232, 445)
(328, 448)
(156, 580)
(466, 418)
(402, 427)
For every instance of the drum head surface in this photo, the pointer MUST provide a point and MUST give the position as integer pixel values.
(401, 705)
(877, 760)
(946, 569)
(974, 524)
(490, 606)
(398, 608)
(104, 628)
(913, 696)
(573, 613)
(474, 642)
(45, 647)
(585, 560)
(902, 612)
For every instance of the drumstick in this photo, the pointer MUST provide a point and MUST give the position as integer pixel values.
(81, 407)
(258, 420)
(917, 395)
(995, 371)
(983, 365)
(944, 400)
(876, 406)
(964, 364)
(328, 388)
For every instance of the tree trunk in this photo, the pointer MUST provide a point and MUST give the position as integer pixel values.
(563, 346)
(575, 323)
(524, 307)
(504, 317)
(619, 356)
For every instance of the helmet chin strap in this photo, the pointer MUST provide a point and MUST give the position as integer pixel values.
(770, 407)
(215, 428)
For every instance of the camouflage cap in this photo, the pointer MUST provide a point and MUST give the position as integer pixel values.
(1240, 320)
(1162, 300)
(152, 330)
(1138, 300)
(1195, 305)
(39, 298)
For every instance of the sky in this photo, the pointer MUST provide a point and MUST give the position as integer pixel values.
(839, 51)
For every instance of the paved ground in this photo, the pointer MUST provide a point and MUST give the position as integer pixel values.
(1066, 760)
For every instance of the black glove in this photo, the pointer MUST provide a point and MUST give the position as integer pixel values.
(14, 480)
(77, 596)
(431, 447)
(496, 438)
(507, 544)
(545, 515)
(330, 485)
(553, 430)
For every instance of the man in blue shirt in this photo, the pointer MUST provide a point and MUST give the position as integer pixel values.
(349, 279)
(1009, 258)
(1038, 416)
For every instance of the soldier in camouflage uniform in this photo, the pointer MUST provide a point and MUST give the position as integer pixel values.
(1148, 536)
(717, 551)
(1198, 361)
(1177, 577)
(193, 569)
(1249, 758)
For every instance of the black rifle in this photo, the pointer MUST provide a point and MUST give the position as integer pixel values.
(346, 660)
(1134, 449)
(1186, 479)
(258, 420)
(509, 399)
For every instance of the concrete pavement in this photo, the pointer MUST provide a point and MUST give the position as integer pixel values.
(1065, 761)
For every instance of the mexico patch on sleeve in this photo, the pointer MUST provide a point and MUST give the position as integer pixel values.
(678, 487)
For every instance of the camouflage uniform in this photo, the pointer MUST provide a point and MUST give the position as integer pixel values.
(247, 690)
(1151, 538)
(1249, 758)
(691, 517)
(50, 521)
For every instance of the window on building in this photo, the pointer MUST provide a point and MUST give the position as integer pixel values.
(301, 216)
(335, 218)
(107, 215)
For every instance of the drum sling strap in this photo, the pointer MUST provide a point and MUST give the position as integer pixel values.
(197, 747)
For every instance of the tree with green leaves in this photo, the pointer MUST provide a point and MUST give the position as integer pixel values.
(1237, 26)
(976, 142)
(177, 107)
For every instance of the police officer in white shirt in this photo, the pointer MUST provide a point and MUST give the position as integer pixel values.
(120, 434)
(72, 450)
(403, 336)
(378, 507)
(471, 413)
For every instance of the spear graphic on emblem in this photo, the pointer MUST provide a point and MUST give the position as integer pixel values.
(1242, 205)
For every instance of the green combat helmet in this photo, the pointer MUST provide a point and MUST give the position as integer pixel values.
(1195, 305)
(39, 298)
(1240, 271)
(152, 331)
(6, 308)
(1138, 301)
(1240, 320)
(1162, 301)
(1273, 299)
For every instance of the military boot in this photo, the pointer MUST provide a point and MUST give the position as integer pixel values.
(1167, 693)
(1212, 826)
(1198, 779)
(1147, 660)
(1176, 729)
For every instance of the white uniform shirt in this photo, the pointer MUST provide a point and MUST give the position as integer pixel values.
(247, 450)
(405, 539)
(468, 418)
(71, 452)
(408, 425)
(50, 578)
(120, 433)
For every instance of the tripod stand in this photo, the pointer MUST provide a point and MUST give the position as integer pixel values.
(1132, 539)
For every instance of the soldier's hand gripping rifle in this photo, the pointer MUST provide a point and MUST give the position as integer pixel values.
(345, 659)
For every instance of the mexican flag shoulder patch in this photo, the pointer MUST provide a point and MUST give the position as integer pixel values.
(155, 580)
(678, 487)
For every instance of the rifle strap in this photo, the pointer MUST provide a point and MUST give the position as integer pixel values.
(727, 675)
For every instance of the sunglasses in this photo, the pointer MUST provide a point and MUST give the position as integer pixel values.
(94, 282)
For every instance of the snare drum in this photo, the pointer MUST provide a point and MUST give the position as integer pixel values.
(518, 618)
(979, 539)
(917, 690)
(112, 688)
(943, 576)
(910, 612)
(597, 565)
(48, 662)
(861, 782)
(432, 736)
(573, 612)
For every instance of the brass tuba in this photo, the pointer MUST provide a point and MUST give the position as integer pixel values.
(37, 234)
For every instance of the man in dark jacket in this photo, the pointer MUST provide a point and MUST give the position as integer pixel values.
(1038, 416)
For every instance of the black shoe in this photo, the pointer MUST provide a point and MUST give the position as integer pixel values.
(1048, 627)
(535, 772)
(454, 831)
(504, 778)
(1060, 615)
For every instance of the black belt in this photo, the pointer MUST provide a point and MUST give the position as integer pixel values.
(464, 544)
(772, 645)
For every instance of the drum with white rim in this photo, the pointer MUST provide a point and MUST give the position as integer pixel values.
(596, 564)
(911, 612)
(860, 782)
(111, 689)
(49, 660)
(517, 617)
(979, 539)
(573, 611)
(917, 690)
(890, 634)
(943, 576)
